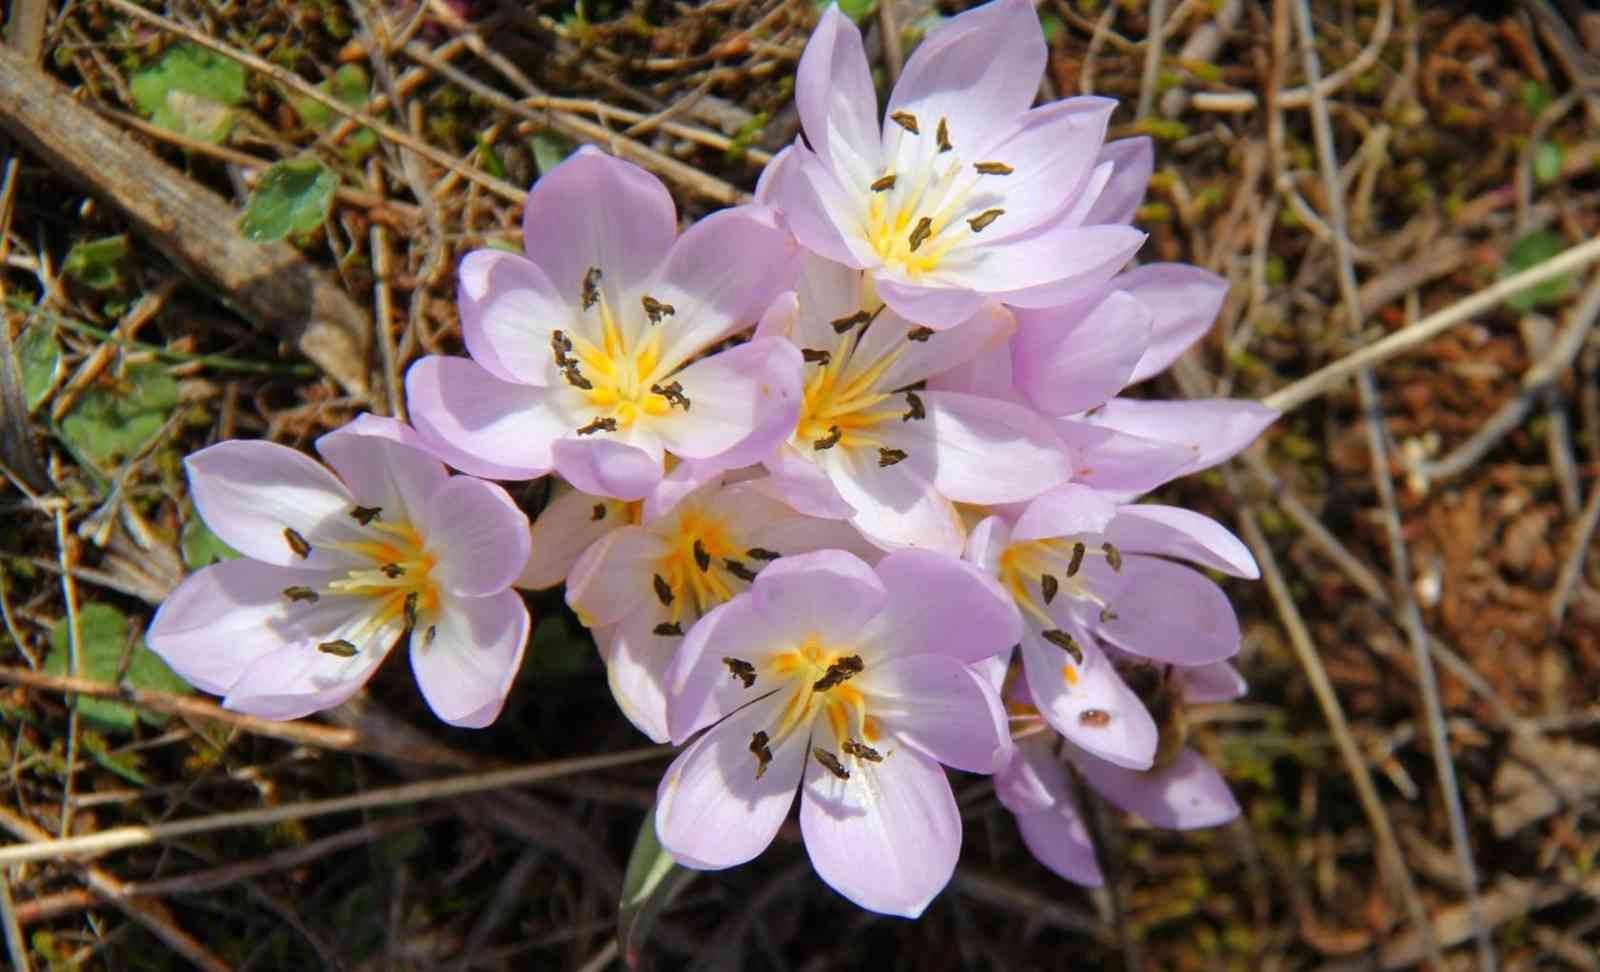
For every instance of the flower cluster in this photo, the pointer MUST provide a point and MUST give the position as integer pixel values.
(827, 459)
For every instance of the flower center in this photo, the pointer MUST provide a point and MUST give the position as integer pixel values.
(621, 380)
(845, 401)
(1036, 572)
(705, 566)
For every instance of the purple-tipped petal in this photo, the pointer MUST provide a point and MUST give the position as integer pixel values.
(468, 667)
(1031, 781)
(938, 306)
(296, 680)
(1184, 300)
(744, 404)
(940, 605)
(939, 707)
(1133, 160)
(986, 451)
(1214, 429)
(815, 206)
(508, 309)
(918, 361)
(1053, 154)
(250, 492)
(478, 423)
(1070, 359)
(1175, 532)
(1164, 611)
(568, 526)
(1187, 795)
(1058, 839)
(712, 811)
(828, 594)
(888, 837)
(384, 463)
(798, 482)
(700, 688)
(722, 273)
(1088, 702)
(1065, 511)
(1054, 264)
(833, 89)
(612, 579)
(607, 467)
(895, 506)
(478, 534)
(1219, 682)
(1120, 464)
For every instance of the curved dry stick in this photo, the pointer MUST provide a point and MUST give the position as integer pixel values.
(1238, 102)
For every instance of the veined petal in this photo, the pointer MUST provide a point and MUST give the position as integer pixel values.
(888, 837)
(1133, 160)
(940, 605)
(612, 579)
(1163, 610)
(833, 88)
(985, 451)
(1053, 151)
(250, 492)
(480, 424)
(1215, 429)
(1064, 512)
(938, 706)
(384, 463)
(745, 402)
(508, 310)
(478, 534)
(1186, 795)
(1087, 701)
(1184, 301)
(467, 668)
(1117, 463)
(1218, 682)
(569, 524)
(1070, 359)
(608, 467)
(1175, 532)
(712, 810)
(828, 594)
(700, 688)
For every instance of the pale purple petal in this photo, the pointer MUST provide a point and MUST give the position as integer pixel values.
(941, 708)
(296, 680)
(895, 506)
(936, 305)
(700, 689)
(1133, 161)
(829, 594)
(508, 310)
(1219, 682)
(478, 423)
(1118, 463)
(988, 375)
(1175, 532)
(1031, 781)
(722, 273)
(978, 336)
(1186, 795)
(468, 667)
(637, 661)
(1053, 154)
(1078, 210)
(1051, 265)
(1074, 358)
(1058, 839)
(778, 320)
(250, 491)
(1065, 511)
(612, 579)
(937, 604)
(987, 541)
(593, 210)
(817, 209)
(888, 837)
(1184, 300)
(833, 88)
(985, 451)
(803, 485)
(1214, 429)
(712, 811)
(384, 463)
(478, 534)
(568, 526)
(1164, 611)
(607, 467)
(1088, 702)
(744, 404)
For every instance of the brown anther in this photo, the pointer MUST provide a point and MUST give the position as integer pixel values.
(815, 356)
(656, 310)
(905, 120)
(1094, 718)
(1106, 615)
(591, 287)
(830, 763)
(300, 594)
(338, 646)
(702, 559)
(888, 457)
(981, 222)
(830, 440)
(884, 184)
(741, 670)
(843, 324)
(1113, 556)
(762, 553)
(575, 377)
(1048, 585)
(1065, 642)
(1078, 550)
(663, 589)
(993, 168)
(599, 512)
(942, 136)
(758, 745)
(433, 632)
(366, 514)
(916, 412)
(606, 424)
(861, 751)
(921, 232)
(560, 344)
(739, 570)
(668, 629)
(392, 571)
(296, 543)
(840, 671)
(673, 393)
(411, 610)
(919, 334)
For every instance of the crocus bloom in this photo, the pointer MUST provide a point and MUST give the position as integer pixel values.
(1084, 571)
(1180, 792)
(581, 351)
(642, 586)
(963, 192)
(850, 683)
(338, 568)
(872, 444)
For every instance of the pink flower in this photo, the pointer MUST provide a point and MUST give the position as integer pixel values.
(584, 352)
(875, 446)
(851, 684)
(963, 192)
(338, 568)
(643, 585)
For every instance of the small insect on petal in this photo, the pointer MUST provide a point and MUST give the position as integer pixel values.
(1094, 718)
(656, 310)
(606, 424)
(702, 558)
(392, 571)
(981, 222)
(663, 589)
(339, 647)
(739, 570)
(843, 324)
(297, 543)
(919, 334)
(905, 120)
(840, 671)
(830, 440)
(917, 412)
(1065, 642)
(815, 356)
(366, 514)
(888, 457)
(921, 232)
(300, 594)
(830, 763)
(884, 184)
(1113, 556)
(1048, 585)
(758, 745)
(599, 512)
(861, 751)
(668, 629)
(993, 168)
(673, 393)
(762, 553)
(591, 287)
(741, 670)
(1078, 550)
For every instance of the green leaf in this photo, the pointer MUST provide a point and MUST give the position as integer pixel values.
(40, 357)
(292, 197)
(1547, 159)
(189, 90)
(102, 636)
(856, 10)
(97, 263)
(201, 547)
(351, 86)
(548, 151)
(1529, 252)
(652, 881)
(114, 418)
(1535, 97)
(490, 159)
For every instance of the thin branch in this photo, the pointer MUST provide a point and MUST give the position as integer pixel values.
(16, 945)
(1572, 567)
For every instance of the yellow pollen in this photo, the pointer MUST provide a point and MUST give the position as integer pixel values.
(844, 394)
(620, 375)
(842, 706)
(1069, 674)
(696, 569)
(401, 571)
